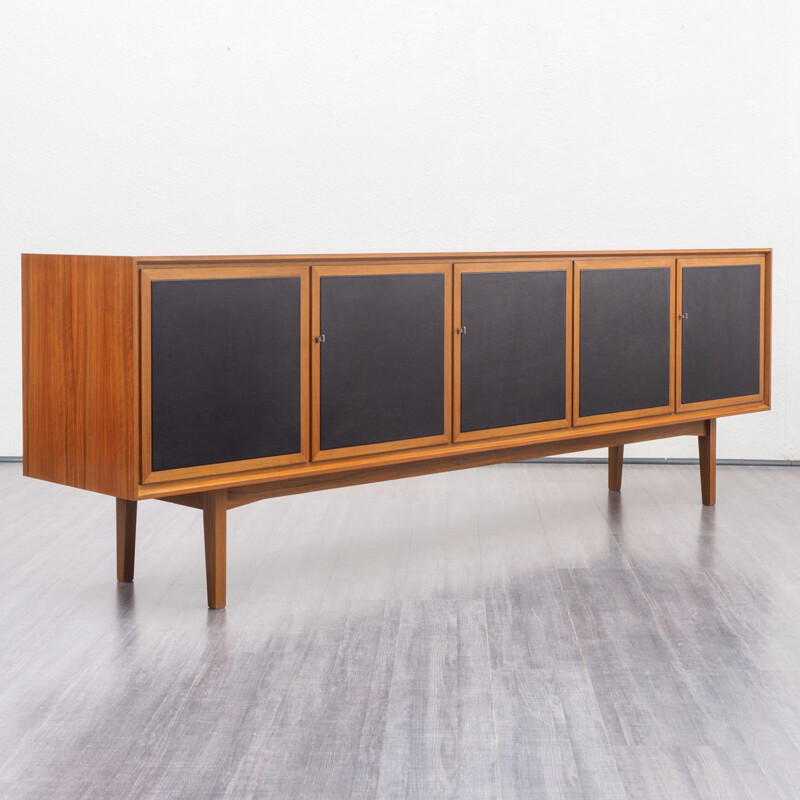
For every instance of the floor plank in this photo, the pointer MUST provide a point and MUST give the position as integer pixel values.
(511, 631)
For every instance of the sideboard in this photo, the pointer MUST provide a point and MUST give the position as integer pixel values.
(217, 381)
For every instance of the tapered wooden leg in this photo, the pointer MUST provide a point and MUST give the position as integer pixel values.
(708, 463)
(126, 539)
(215, 507)
(615, 467)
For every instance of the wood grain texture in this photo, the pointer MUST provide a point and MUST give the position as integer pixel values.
(346, 671)
(86, 348)
(694, 773)
(216, 502)
(188, 500)
(455, 255)
(598, 600)
(707, 444)
(81, 389)
(126, 539)
(239, 495)
(566, 546)
(615, 453)
(440, 738)
(468, 454)
(767, 351)
(214, 528)
(532, 724)
(528, 623)
(80, 372)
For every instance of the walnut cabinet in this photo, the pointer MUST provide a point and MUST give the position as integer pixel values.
(216, 381)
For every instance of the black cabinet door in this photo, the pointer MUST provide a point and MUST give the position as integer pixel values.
(511, 348)
(228, 368)
(721, 332)
(382, 371)
(624, 340)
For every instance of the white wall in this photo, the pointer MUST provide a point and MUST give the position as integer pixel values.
(230, 126)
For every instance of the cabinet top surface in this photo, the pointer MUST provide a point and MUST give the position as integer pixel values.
(440, 256)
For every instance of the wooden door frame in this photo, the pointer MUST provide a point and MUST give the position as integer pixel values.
(621, 263)
(494, 267)
(192, 272)
(764, 334)
(366, 269)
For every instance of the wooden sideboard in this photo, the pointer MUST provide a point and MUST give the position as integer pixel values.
(217, 381)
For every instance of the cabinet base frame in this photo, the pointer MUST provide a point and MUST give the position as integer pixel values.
(215, 503)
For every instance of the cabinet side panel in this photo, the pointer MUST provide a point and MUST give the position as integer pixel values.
(79, 360)
(45, 342)
(111, 414)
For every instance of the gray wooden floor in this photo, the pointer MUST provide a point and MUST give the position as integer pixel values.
(508, 632)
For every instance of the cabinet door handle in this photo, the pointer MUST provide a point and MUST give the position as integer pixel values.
(320, 339)
(685, 315)
(462, 331)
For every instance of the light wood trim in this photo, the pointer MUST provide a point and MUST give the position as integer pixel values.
(450, 256)
(572, 437)
(621, 263)
(190, 272)
(460, 269)
(767, 352)
(145, 377)
(318, 272)
(136, 455)
(381, 447)
(723, 261)
(764, 333)
(712, 405)
(224, 467)
(189, 500)
(241, 495)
